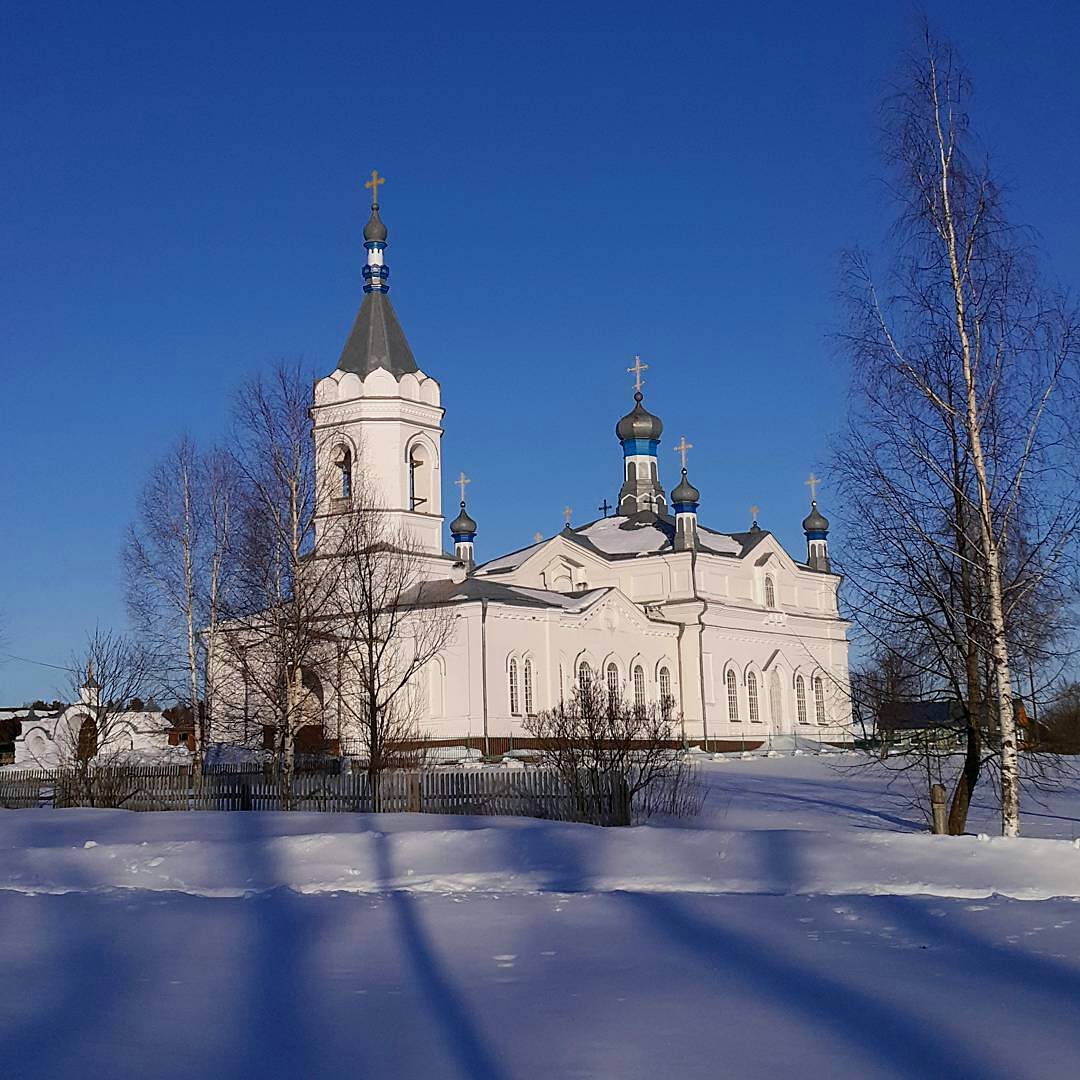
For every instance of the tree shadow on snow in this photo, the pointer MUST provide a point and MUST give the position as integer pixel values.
(902, 1043)
(463, 1038)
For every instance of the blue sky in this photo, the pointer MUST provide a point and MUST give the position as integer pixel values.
(182, 204)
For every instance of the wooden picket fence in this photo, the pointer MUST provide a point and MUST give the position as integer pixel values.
(520, 792)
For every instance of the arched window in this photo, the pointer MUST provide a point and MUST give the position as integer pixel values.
(529, 710)
(515, 702)
(612, 686)
(770, 591)
(420, 465)
(343, 463)
(584, 676)
(819, 700)
(752, 696)
(732, 696)
(665, 693)
(652, 469)
(800, 698)
(631, 470)
(639, 688)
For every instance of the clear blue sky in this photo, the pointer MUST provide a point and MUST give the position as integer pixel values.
(181, 203)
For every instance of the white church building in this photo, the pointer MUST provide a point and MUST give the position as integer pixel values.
(736, 637)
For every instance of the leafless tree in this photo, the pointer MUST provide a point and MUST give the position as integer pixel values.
(953, 470)
(272, 638)
(618, 759)
(388, 626)
(177, 560)
(107, 674)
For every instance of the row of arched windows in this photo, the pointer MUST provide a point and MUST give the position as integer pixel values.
(521, 678)
(753, 698)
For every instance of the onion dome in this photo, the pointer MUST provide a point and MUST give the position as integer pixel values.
(375, 230)
(815, 521)
(685, 494)
(463, 526)
(639, 423)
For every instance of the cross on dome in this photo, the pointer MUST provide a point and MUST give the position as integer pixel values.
(567, 511)
(636, 371)
(374, 183)
(812, 484)
(754, 512)
(461, 481)
(682, 448)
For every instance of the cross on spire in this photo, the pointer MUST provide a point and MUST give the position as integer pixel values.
(754, 513)
(682, 448)
(374, 183)
(636, 371)
(812, 484)
(604, 508)
(567, 511)
(461, 481)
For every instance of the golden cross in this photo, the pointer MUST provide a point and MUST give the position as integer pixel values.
(567, 511)
(754, 512)
(461, 481)
(812, 484)
(682, 448)
(374, 183)
(636, 371)
(537, 537)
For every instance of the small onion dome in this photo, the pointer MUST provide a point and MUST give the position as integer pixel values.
(685, 493)
(375, 230)
(639, 423)
(815, 521)
(463, 525)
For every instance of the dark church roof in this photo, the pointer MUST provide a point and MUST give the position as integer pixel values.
(376, 340)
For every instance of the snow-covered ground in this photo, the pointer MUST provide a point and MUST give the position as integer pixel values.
(801, 925)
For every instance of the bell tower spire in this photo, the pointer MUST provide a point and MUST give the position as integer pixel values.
(377, 409)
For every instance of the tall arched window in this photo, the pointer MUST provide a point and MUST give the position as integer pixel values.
(639, 688)
(342, 459)
(612, 686)
(515, 702)
(529, 710)
(666, 700)
(752, 696)
(584, 676)
(732, 696)
(800, 698)
(770, 591)
(420, 465)
(631, 470)
(819, 700)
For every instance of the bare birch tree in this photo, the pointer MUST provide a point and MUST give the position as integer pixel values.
(275, 640)
(176, 560)
(953, 467)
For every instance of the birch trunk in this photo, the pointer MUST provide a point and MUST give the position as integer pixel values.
(999, 650)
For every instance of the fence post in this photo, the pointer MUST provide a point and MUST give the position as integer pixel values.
(937, 805)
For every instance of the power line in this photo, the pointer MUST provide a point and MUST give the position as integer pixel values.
(40, 663)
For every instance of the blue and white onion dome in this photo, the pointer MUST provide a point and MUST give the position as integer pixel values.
(463, 528)
(685, 497)
(639, 424)
(815, 524)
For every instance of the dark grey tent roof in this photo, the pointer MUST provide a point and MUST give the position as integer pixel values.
(376, 340)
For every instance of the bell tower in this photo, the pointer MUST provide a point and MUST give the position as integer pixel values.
(377, 417)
